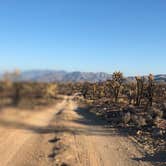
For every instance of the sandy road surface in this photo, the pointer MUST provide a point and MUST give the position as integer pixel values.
(24, 136)
(62, 134)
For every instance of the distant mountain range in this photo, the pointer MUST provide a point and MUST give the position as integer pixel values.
(63, 76)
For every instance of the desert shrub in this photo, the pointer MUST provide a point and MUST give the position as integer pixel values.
(50, 90)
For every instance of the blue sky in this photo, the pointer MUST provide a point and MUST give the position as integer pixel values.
(85, 35)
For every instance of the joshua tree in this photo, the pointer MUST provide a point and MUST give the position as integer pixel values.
(130, 91)
(94, 90)
(85, 90)
(102, 91)
(150, 89)
(11, 79)
(116, 84)
(140, 88)
(17, 86)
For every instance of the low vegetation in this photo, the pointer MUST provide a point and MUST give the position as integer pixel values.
(137, 107)
(25, 94)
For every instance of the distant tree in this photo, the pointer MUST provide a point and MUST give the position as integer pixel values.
(94, 90)
(85, 89)
(130, 91)
(11, 79)
(150, 89)
(140, 89)
(116, 84)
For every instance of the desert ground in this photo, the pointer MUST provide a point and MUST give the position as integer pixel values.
(63, 135)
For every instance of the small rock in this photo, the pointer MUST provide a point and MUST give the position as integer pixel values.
(139, 132)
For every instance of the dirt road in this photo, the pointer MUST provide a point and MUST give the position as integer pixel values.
(62, 134)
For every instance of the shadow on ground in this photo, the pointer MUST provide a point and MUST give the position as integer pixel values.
(92, 120)
(94, 126)
(88, 118)
(55, 129)
(158, 159)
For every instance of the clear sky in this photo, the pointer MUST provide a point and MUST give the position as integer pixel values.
(85, 35)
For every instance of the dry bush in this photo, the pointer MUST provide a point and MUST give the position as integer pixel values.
(27, 93)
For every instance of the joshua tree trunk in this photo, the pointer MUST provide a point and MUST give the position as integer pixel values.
(140, 87)
(16, 97)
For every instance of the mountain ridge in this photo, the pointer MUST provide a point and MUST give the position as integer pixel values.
(74, 76)
(63, 76)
